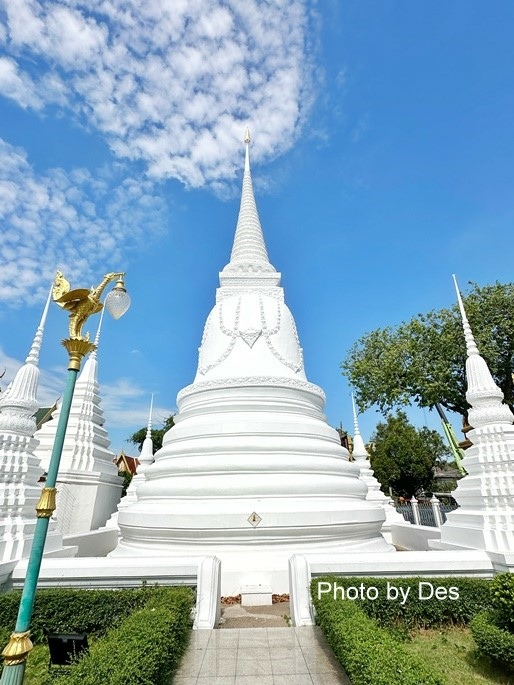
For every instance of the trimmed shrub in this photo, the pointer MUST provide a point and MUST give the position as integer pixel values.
(370, 655)
(474, 596)
(81, 611)
(144, 649)
(502, 597)
(494, 642)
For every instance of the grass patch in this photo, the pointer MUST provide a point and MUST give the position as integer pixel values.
(36, 672)
(452, 652)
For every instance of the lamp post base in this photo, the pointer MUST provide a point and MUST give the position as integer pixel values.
(13, 674)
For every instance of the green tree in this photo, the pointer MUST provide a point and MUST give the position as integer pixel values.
(423, 360)
(403, 457)
(139, 436)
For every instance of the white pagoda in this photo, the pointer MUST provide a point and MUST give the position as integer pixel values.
(361, 458)
(88, 484)
(485, 517)
(251, 472)
(21, 471)
(144, 460)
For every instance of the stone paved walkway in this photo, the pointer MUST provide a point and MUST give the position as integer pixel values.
(259, 656)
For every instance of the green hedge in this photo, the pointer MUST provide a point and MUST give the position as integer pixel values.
(370, 655)
(495, 642)
(80, 611)
(143, 649)
(502, 595)
(474, 596)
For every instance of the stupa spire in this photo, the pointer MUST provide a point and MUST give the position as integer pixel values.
(471, 345)
(97, 336)
(249, 256)
(484, 396)
(33, 356)
(359, 448)
(19, 402)
(146, 456)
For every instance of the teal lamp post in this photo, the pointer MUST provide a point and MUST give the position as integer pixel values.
(81, 303)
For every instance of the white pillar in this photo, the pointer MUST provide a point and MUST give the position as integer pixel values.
(415, 510)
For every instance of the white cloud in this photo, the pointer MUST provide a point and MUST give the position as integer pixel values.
(126, 405)
(69, 221)
(18, 86)
(171, 83)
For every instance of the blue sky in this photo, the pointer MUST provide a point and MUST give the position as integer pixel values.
(382, 156)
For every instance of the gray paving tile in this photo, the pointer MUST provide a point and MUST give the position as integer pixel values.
(253, 653)
(226, 667)
(308, 632)
(224, 641)
(316, 666)
(330, 679)
(253, 667)
(302, 679)
(200, 639)
(215, 665)
(250, 642)
(284, 652)
(289, 666)
(288, 640)
(251, 632)
(226, 653)
(259, 656)
(191, 663)
(208, 667)
(254, 680)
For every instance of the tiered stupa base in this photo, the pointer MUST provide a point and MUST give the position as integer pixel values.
(251, 474)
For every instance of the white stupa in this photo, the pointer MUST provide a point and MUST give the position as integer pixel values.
(361, 458)
(145, 459)
(485, 518)
(88, 484)
(20, 469)
(251, 472)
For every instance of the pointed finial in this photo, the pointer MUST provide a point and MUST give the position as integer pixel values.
(355, 422)
(359, 452)
(247, 152)
(149, 428)
(97, 336)
(33, 356)
(471, 345)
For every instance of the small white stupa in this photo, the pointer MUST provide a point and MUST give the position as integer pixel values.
(485, 518)
(361, 458)
(145, 459)
(251, 472)
(20, 469)
(88, 484)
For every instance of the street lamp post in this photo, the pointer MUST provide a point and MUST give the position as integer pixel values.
(81, 303)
